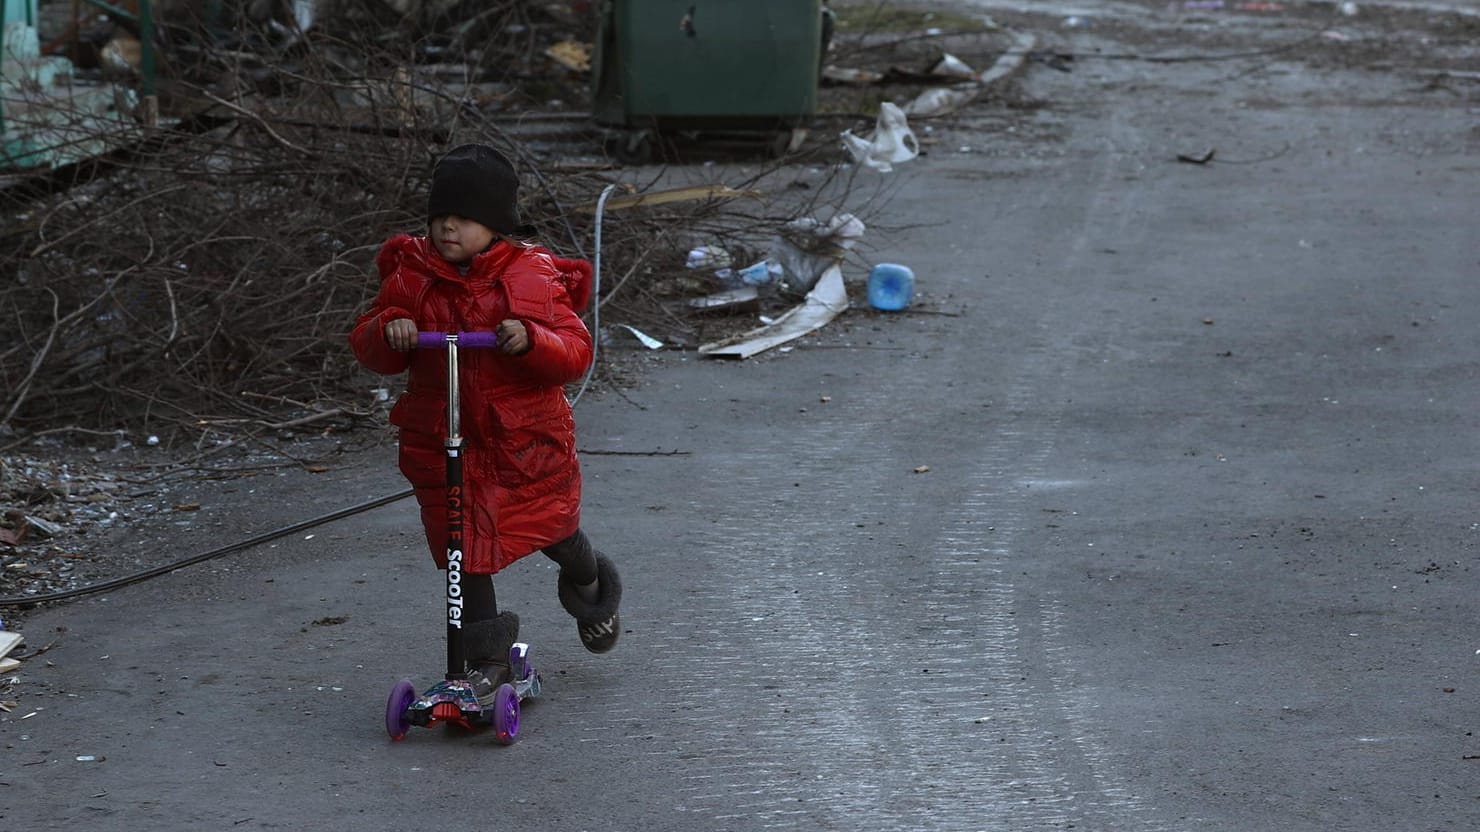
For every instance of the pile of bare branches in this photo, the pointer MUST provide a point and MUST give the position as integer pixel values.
(197, 284)
(203, 279)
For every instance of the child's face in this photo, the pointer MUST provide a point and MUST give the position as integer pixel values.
(459, 239)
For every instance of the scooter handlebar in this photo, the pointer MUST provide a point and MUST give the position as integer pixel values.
(438, 340)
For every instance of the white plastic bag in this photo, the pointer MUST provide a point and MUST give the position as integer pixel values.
(842, 231)
(708, 257)
(893, 141)
(809, 247)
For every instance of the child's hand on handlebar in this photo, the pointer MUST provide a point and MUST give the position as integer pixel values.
(400, 334)
(513, 338)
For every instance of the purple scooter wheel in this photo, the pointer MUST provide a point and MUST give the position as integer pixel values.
(402, 695)
(505, 714)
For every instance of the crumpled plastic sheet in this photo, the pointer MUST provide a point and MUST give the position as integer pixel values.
(892, 142)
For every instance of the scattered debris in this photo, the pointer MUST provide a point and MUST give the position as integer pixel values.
(950, 66)
(572, 55)
(807, 247)
(42, 528)
(1009, 61)
(893, 141)
(843, 75)
(945, 100)
(708, 257)
(312, 113)
(728, 302)
(8, 642)
(158, 361)
(942, 101)
(761, 273)
(827, 300)
(645, 339)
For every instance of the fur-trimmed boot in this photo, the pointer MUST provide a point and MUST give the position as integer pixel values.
(597, 623)
(486, 643)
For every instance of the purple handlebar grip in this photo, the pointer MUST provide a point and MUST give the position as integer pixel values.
(477, 339)
(438, 340)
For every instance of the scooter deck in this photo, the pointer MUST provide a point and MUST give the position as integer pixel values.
(475, 701)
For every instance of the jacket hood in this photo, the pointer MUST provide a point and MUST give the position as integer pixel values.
(401, 249)
(576, 276)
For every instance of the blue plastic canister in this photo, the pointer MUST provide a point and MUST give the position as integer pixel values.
(890, 287)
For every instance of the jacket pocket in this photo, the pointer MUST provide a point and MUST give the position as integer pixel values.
(537, 447)
(421, 413)
(423, 460)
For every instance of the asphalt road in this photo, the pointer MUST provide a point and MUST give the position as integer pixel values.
(1156, 512)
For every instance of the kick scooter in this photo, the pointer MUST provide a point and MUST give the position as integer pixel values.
(466, 697)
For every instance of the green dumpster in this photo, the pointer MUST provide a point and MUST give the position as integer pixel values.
(723, 66)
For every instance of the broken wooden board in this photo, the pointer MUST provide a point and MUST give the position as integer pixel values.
(8, 642)
(685, 194)
(7, 665)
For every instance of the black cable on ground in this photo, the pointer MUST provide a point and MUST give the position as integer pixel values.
(155, 572)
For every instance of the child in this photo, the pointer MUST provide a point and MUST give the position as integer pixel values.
(522, 481)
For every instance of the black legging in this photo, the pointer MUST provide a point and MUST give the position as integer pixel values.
(574, 556)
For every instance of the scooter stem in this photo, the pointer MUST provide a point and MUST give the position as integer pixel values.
(456, 661)
(454, 406)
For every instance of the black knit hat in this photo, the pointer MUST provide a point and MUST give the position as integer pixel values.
(477, 182)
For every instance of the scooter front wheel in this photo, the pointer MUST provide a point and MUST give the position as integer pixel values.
(505, 714)
(402, 695)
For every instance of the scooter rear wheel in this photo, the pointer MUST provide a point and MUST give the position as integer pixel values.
(402, 695)
(505, 714)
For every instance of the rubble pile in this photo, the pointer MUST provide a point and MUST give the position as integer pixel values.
(51, 511)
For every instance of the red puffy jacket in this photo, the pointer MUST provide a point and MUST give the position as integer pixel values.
(522, 480)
